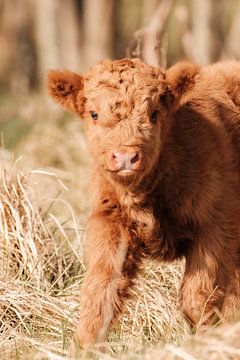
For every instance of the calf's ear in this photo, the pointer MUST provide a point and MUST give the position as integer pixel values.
(180, 79)
(64, 87)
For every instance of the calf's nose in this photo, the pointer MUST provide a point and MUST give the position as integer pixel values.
(126, 161)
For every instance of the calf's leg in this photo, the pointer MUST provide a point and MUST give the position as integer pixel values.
(106, 281)
(209, 276)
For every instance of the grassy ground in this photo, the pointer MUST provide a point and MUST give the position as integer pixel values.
(44, 203)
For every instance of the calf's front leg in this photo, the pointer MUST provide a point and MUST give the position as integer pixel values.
(106, 282)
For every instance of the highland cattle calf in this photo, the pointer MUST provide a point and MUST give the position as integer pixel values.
(166, 177)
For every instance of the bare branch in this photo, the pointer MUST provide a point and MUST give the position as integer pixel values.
(147, 40)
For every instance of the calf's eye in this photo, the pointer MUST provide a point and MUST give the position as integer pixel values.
(94, 115)
(154, 116)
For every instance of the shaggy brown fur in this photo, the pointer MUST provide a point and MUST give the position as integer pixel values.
(166, 180)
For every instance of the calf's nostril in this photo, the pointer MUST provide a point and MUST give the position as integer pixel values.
(117, 156)
(134, 158)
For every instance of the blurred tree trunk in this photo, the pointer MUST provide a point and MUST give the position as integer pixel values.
(46, 36)
(148, 9)
(69, 35)
(153, 51)
(149, 43)
(16, 60)
(202, 35)
(128, 20)
(232, 48)
(57, 36)
(98, 30)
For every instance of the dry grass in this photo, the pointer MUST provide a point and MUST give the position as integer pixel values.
(41, 272)
(41, 241)
(38, 267)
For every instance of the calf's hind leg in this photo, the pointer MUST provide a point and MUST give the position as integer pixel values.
(209, 283)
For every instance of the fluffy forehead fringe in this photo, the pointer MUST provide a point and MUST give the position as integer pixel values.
(112, 73)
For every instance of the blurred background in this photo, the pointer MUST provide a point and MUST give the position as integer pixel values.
(37, 35)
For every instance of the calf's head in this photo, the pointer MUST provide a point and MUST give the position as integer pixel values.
(125, 106)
